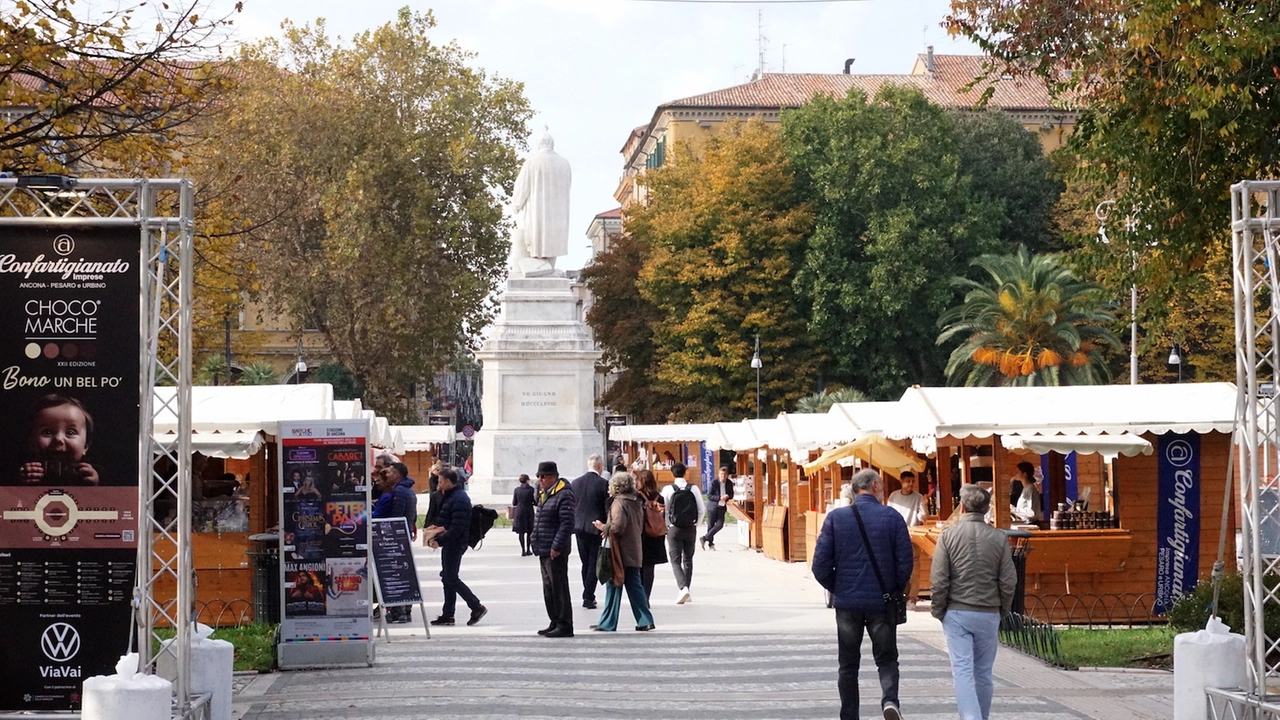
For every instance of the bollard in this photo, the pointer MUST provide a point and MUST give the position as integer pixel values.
(1209, 658)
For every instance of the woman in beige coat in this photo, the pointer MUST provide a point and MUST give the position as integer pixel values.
(625, 526)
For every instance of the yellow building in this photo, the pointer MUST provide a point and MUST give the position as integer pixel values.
(942, 79)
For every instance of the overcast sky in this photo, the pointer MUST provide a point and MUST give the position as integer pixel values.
(595, 69)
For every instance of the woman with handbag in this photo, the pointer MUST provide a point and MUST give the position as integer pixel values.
(622, 532)
(653, 547)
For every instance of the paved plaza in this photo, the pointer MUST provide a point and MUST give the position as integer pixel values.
(755, 642)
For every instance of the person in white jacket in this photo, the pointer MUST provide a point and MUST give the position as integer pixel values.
(910, 505)
(685, 511)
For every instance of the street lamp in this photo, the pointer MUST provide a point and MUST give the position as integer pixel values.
(757, 364)
(1175, 358)
(300, 367)
(1102, 212)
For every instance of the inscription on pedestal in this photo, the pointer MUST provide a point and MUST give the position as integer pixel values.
(539, 400)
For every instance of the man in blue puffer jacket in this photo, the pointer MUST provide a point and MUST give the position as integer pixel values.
(449, 534)
(841, 564)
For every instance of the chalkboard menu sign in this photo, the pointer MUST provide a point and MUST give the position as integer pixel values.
(393, 561)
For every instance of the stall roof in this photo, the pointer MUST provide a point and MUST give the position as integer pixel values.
(238, 445)
(1071, 410)
(661, 433)
(422, 437)
(739, 436)
(348, 409)
(247, 408)
(850, 421)
(1108, 446)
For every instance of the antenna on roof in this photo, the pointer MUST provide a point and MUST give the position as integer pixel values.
(761, 41)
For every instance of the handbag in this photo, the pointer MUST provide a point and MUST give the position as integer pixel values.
(609, 563)
(895, 603)
(655, 520)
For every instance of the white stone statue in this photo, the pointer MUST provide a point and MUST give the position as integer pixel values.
(540, 205)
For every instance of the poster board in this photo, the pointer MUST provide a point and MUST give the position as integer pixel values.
(70, 357)
(325, 590)
(395, 572)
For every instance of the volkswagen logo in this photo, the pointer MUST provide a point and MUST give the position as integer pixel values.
(64, 245)
(1178, 453)
(60, 642)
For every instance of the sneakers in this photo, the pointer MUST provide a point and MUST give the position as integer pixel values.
(711, 545)
(891, 711)
(443, 620)
(683, 596)
(477, 614)
(702, 543)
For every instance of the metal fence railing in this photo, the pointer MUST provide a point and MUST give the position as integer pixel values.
(1033, 637)
(1089, 611)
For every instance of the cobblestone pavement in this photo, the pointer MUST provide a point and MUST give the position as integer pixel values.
(755, 643)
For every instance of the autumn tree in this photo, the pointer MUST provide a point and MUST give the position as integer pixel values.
(1177, 102)
(724, 234)
(88, 90)
(364, 182)
(905, 193)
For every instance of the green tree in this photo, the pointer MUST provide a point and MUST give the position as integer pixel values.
(905, 194)
(622, 320)
(91, 89)
(724, 234)
(822, 400)
(1029, 322)
(365, 183)
(258, 372)
(345, 385)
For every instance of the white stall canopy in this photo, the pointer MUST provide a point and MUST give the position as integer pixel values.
(1108, 446)
(661, 433)
(231, 445)
(245, 408)
(418, 438)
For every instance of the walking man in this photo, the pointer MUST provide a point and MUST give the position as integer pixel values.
(910, 505)
(842, 563)
(685, 510)
(719, 496)
(552, 541)
(590, 492)
(973, 584)
(450, 535)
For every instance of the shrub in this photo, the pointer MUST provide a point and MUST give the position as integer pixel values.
(1191, 611)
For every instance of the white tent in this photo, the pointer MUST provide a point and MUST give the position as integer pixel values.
(238, 445)
(422, 437)
(246, 408)
(661, 433)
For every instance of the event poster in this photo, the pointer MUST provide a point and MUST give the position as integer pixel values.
(1177, 518)
(324, 495)
(69, 369)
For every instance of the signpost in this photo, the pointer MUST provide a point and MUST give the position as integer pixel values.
(324, 546)
(395, 574)
(70, 332)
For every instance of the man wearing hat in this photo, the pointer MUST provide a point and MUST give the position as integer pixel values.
(552, 540)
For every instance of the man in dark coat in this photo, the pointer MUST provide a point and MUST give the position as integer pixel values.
(552, 542)
(841, 564)
(450, 534)
(590, 492)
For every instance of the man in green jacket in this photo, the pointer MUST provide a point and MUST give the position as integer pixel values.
(973, 582)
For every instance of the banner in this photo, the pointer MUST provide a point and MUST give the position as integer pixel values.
(325, 542)
(1177, 518)
(393, 561)
(1071, 473)
(69, 368)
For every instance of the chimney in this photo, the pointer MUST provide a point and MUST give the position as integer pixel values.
(848, 64)
(928, 59)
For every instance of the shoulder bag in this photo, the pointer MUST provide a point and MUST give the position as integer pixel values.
(895, 603)
(609, 567)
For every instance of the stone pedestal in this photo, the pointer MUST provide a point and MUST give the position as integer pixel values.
(539, 387)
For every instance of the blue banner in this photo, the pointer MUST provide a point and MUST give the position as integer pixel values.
(708, 466)
(1071, 473)
(1177, 518)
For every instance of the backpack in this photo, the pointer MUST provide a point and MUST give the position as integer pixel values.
(482, 518)
(683, 508)
(655, 521)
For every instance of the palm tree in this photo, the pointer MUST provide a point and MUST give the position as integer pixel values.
(822, 401)
(259, 373)
(1031, 323)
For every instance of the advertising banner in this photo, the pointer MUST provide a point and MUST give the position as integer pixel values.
(1177, 518)
(324, 500)
(612, 448)
(1071, 472)
(393, 560)
(69, 366)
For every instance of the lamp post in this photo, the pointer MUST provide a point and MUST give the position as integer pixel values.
(300, 367)
(1175, 358)
(757, 364)
(1102, 212)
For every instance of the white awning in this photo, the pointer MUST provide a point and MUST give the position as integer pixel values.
(237, 445)
(872, 449)
(246, 408)
(421, 437)
(1108, 446)
(661, 433)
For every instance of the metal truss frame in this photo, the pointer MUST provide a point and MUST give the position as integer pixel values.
(163, 211)
(1255, 226)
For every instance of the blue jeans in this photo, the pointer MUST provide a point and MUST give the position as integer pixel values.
(884, 649)
(613, 601)
(972, 638)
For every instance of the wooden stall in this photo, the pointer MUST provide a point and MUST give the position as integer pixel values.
(421, 446)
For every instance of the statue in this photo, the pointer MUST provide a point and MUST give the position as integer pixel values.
(540, 205)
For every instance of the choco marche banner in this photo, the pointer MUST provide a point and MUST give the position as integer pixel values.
(1177, 518)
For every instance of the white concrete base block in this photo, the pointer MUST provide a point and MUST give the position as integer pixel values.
(539, 387)
(212, 667)
(1209, 658)
(115, 697)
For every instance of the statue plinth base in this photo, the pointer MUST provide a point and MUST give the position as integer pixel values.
(539, 387)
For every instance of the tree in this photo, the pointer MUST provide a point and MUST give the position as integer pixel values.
(93, 90)
(905, 194)
(1178, 103)
(258, 372)
(1031, 322)
(822, 400)
(365, 184)
(724, 235)
(345, 385)
(622, 320)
